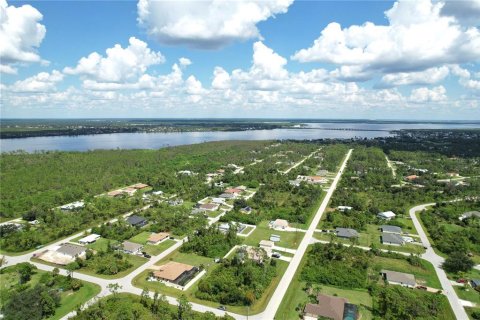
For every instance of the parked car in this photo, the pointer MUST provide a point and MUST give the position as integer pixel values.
(422, 287)
(461, 280)
(217, 260)
(146, 255)
(223, 308)
(276, 255)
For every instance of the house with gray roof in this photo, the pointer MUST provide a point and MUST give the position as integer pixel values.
(392, 239)
(399, 278)
(131, 247)
(346, 233)
(136, 221)
(391, 229)
(72, 250)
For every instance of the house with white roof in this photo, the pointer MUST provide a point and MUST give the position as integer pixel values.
(386, 215)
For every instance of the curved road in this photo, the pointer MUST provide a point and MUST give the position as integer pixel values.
(437, 262)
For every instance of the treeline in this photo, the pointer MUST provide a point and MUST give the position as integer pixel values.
(129, 306)
(210, 242)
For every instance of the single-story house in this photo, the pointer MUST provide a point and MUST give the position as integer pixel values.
(469, 214)
(274, 238)
(208, 207)
(344, 208)
(328, 307)
(73, 206)
(411, 177)
(399, 278)
(256, 253)
(136, 221)
(72, 250)
(175, 272)
(279, 224)
(224, 227)
(91, 238)
(391, 229)
(64, 254)
(129, 190)
(218, 200)
(115, 193)
(346, 233)
(131, 247)
(227, 196)
(156, 238)
(475, 283)
(386, 215)
(246, 210)
(234, 191)
(139, 186)
(392, 239)
(322, 172)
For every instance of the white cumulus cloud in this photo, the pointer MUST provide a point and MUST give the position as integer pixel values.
(429, 76)
(418, 37)
(21, 33)
(41, 82)
(421, 95)
(206, 24)
(120, 65)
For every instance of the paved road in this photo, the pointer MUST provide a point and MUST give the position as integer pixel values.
(300, 162)
(282, 287)
(437, 261)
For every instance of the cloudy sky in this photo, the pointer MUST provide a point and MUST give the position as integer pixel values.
(409, 59)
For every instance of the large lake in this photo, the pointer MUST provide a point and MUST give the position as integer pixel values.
(160, 140)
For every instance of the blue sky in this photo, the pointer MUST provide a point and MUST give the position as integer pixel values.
(276, 58)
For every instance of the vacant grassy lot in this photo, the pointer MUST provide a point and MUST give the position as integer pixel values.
(263, 232)
(155, 250)
(141, 238)
(69, 300)
(296, 295)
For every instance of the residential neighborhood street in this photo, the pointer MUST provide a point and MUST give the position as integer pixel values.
(437, 261)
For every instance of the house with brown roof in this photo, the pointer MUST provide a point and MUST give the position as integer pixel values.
(139, 186)
(329, 307)
(411, 177)
(156, 238)
(175, 272)
(208, 206)
(234, 191)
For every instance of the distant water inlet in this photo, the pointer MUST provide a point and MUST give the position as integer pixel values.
(311, 131)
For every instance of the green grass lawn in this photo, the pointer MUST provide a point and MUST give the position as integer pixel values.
(155, 250)
(193, 259)
(213, 214)
(136, 261)
(468, 293)
(141, 238)
(246, 230)
(101, 244)
(424, 275)
(470, 311)
(296, 295)
(263, 232)
(69, 300)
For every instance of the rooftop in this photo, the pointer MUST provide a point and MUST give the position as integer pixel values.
(172, 270)
(346, 233)
(399, 277)
(155, 237)
(393, 229)
(327, 306)
(131, 246)
(133, 220)
(392, 238)
(71, 249)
